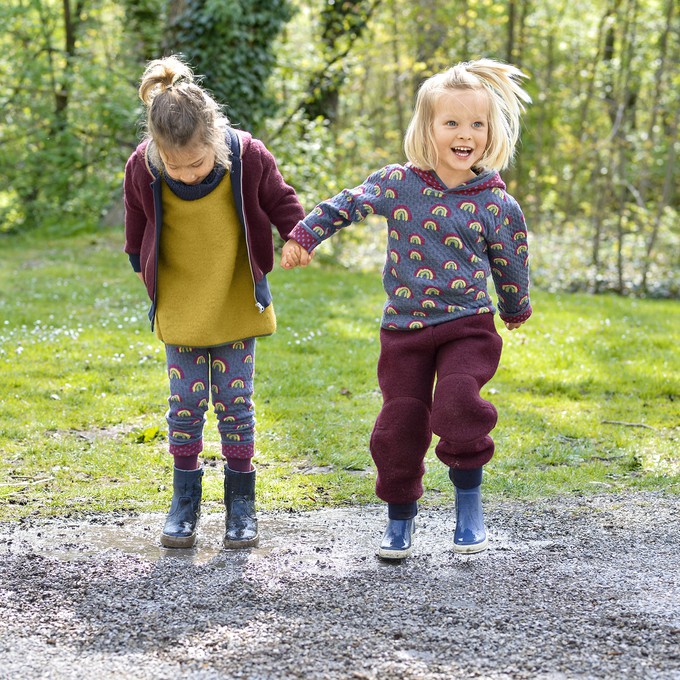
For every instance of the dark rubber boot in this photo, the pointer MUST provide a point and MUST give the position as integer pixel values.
(470, 535)
(397, 542)
(185, 509)
(239, 499)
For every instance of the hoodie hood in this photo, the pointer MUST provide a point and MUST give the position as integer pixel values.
(486, 179)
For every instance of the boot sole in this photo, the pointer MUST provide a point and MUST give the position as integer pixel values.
(387, 554)
(394, 554)
(178, 541)
(471, 549)
(235, 545)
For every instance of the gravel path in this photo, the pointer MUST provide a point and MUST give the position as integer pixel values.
(573, 588)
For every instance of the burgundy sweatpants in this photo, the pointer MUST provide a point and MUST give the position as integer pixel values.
(463, 355)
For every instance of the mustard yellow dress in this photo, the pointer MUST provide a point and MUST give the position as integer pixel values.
(206, 294)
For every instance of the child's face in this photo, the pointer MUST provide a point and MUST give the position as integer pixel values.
(460, 133)
(189, 164)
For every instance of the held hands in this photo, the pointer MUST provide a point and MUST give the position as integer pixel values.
(294, 255)
(511, 326)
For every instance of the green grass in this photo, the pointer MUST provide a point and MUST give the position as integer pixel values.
(587, 391)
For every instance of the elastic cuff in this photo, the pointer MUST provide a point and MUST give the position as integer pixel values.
(402, 510)
(243, 451)
(192, 448)
(304, 238)
(516, 318)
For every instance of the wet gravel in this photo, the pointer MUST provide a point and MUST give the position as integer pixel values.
(570, 588)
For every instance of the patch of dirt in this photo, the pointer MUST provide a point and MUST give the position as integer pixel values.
(573, 588)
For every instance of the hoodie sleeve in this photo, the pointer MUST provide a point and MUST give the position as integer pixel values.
(345, 208)
(509, 259)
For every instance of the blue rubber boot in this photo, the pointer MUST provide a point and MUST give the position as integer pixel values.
(470, 535)
(397, 542)
(239, 500)
(185, 509)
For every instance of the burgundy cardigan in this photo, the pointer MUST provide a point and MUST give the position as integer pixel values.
(261, 195)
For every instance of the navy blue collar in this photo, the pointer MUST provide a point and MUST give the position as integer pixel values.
(192, 192)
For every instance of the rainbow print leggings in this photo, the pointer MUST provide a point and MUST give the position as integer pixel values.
(226, 373)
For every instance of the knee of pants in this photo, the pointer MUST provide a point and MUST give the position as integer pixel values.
(401, 429)
(459, 414)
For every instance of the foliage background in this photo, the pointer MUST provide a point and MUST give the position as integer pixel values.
(329, 86)
(590, 398)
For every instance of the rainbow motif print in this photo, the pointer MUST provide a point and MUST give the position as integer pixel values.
(453, 241)
(175, 373)
(434, 193)
(219, 366)
(403, 292)
(401, 213)
(432, 290)
(425, 273)
(468, 206)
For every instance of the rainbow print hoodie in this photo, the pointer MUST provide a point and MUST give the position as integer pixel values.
(442, 244)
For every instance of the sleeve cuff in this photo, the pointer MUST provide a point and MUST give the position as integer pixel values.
(516, 318)
(304, 238)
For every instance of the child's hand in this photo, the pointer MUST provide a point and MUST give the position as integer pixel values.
(511, 326)
(294, 255)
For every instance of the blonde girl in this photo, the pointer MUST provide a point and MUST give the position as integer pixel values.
(450, 225)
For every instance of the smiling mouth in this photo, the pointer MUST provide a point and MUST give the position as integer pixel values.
(462, 151)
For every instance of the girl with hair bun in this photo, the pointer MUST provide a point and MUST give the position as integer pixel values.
(200, 199)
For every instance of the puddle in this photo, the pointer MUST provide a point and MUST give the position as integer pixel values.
(304, 537)
(341, 540)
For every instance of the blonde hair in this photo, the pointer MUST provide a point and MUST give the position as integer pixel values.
(180, 112)
(501, 82)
